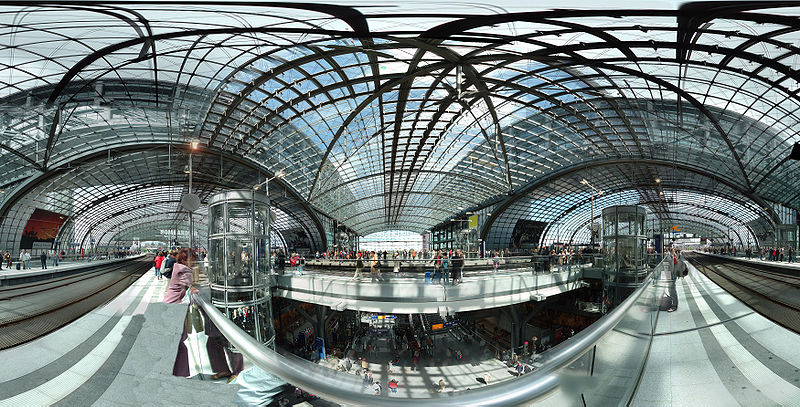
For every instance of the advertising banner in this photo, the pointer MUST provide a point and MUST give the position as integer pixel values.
(41, 229)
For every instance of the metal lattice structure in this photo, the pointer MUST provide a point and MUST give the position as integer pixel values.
(397, 117)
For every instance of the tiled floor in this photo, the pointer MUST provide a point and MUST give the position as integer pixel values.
(715, 351)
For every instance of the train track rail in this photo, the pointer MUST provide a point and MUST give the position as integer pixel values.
(17, 328)
(773, 294)
(15, 291)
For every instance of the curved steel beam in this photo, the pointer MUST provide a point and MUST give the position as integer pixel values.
(34, 182)
(665, 186)
(715, 221)
(521, 192)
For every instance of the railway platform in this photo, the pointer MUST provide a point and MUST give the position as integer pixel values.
(120, 354)
(716, 351)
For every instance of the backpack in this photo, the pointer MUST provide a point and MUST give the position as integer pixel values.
(167, 270)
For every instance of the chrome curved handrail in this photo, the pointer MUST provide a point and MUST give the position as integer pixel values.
(347, 389)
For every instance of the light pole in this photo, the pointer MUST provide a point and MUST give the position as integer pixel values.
(190, 201)
(591, 199)
(278, 175)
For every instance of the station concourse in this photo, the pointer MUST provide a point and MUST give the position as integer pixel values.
(246, 203)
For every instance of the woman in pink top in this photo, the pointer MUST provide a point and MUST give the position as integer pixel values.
(182, 277)
(179, 284)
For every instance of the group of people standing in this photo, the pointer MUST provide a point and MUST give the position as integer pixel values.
(448, 267)
(25, 259)
(163, 263)
(787, 254)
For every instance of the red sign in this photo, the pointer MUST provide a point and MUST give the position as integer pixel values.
(42, 226)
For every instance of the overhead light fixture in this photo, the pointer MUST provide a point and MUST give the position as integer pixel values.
(658, 180)
(195, 144)
(583, 181)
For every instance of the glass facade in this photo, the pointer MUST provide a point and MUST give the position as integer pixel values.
(379, 131)
(391, 240)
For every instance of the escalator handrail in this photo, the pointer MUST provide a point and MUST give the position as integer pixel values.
(346, 388)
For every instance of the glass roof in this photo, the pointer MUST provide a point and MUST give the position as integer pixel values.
(397, 117)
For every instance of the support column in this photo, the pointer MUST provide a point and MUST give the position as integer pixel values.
(322, 327)
(511, 312)
(521, 331)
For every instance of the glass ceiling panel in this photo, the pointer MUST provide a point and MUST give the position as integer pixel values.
(407, 118)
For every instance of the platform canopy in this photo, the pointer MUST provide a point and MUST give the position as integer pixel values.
(400, 116)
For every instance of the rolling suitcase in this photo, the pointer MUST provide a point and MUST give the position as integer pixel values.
(427, 276)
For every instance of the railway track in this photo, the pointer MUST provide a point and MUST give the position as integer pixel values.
(56, 310)
(771, 293)
(15, 291)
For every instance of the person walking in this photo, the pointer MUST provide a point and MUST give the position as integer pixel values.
(672, 280)
(359, 267)
(445, 269)
(301, 261)
(157, 262)
(7, 258)
(458, 266)
(43, 258)
(375, 268)
(396, 264)
(22, 259)
(437, 267)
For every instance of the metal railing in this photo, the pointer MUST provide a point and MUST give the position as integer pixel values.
(348, 390)
(415, 267)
